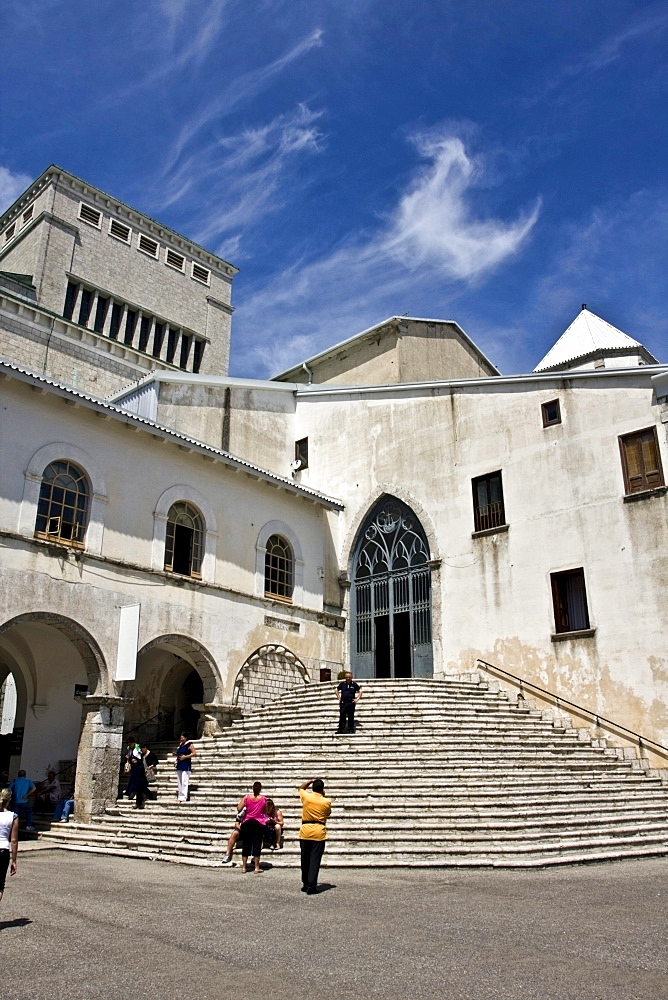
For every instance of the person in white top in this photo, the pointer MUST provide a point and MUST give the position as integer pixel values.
(9, 838)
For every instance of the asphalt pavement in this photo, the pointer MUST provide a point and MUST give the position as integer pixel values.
(76, 925)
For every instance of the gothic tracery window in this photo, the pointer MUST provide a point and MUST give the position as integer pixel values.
(278, 568)
(63, 506)
(184, 540)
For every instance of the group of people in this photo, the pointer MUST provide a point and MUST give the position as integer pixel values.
(141, 767)
(260, 823)
(48, 796)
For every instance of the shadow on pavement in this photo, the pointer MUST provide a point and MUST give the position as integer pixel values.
(19, 922)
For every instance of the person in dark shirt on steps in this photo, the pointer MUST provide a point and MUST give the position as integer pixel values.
(349, 693)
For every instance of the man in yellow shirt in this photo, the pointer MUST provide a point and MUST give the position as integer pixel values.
(313, 832)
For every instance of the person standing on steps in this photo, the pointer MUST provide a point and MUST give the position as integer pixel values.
(348, 693)
(313, 831)
(185, 752)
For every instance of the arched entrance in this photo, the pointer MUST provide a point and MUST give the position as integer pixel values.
(53, 661)
(176, 675)
(391, 595)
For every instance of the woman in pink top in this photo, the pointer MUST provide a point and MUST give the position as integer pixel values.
(252, 828)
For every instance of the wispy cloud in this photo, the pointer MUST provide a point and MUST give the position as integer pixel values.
(600, 56)
(242, 89)
(239, 178)
(181, 38)
(11, 186)
(432, 237)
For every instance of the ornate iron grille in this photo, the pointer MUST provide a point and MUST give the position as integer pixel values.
(391, 577)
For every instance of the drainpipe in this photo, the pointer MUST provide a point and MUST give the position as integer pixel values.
(308, 372)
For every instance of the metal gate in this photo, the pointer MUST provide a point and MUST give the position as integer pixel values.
(391, 596)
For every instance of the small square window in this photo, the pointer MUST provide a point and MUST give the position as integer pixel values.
(119, 231)
(90, 215)
(200, 273)
(569, 598)
(551, 413)
(488, 509)
(147, 245)
(27, 216)
(301, 454)
(174, 260)
(641, 461)
(9, 233)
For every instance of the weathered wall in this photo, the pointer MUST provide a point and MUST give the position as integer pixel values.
(429, 351)
(402, 350)
(564, 502)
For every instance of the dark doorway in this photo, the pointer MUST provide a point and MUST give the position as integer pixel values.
(402, 644)
(391, 595)
(192, 693)
(382, 630)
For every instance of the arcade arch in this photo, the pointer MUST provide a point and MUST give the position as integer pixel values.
(175, 677)
(53, 661)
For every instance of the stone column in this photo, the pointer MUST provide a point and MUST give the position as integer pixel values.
(99, 756)
(216, 717)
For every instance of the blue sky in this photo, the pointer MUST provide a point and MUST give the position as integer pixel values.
(496, 163)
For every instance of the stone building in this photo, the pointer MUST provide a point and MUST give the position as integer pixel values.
(180, 545)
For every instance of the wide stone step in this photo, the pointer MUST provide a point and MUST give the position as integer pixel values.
(431, 829)
(440, 772)
(444, 849)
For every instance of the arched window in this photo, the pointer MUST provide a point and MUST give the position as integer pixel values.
(62, 508)
(278, 568)
(184, 540)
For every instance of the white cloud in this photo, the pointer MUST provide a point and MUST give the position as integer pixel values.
(242, 89)
(431, 240)
(187, 34)
(240, 178)
(434, 225)
(11, 186)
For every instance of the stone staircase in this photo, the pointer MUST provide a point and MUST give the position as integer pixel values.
(449, 772)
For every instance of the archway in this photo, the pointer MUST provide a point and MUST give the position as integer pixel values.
(390, 601)
(267, 673)
(175, 675)
(53, 660)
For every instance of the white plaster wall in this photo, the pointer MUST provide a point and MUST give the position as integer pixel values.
(225, 612)
(563, 490)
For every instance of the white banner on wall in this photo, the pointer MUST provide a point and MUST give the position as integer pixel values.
(128, 640)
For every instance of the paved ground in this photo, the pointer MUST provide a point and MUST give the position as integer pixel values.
(116, 928)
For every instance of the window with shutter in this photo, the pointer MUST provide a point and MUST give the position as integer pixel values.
(119, 231)
(90, 215)
(488, 508)
(569, 598)
(641, 461)
(200, 273)
(147, 245)
(174, 260)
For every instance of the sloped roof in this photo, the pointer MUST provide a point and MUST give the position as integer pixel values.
(588, 334)
(9, 369)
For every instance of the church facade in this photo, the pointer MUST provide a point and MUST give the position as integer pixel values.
(180, 546)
